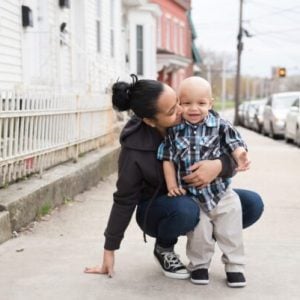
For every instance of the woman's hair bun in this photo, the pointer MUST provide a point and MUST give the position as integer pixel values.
(120, 96)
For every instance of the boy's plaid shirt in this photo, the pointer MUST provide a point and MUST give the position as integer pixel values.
(188, 143)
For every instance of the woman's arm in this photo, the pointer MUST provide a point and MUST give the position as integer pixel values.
(204, 172)
(228, 166)
(126, 197)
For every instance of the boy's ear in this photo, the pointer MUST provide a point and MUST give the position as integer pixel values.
(149, 122)
(212, 102)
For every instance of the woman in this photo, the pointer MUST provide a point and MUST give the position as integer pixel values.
(141, 182)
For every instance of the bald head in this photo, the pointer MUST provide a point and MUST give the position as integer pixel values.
(195, 85)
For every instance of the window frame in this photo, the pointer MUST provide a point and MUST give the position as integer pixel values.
(140, 50)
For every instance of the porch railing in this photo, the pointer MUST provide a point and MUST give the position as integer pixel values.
(40, 130)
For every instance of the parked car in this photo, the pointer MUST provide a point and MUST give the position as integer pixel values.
(258, 118)
(242, 112)
(292, 128)
(275, 112)
(250, 114)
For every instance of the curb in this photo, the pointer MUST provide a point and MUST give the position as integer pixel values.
(22, 202)
(5, 227)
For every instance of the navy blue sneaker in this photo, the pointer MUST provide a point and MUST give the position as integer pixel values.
(200, 276)
(236, 279)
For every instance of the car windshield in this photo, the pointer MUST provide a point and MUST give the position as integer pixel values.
(282, 102)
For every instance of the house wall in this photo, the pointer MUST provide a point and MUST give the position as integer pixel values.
(176, 15)
(45, 58)
(144, 18)
(10, 44)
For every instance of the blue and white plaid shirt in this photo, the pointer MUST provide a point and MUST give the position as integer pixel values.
(189, 143)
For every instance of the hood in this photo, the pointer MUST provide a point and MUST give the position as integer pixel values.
(139, 136)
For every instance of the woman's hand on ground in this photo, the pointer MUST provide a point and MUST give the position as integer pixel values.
(203, 173)
(107, 265)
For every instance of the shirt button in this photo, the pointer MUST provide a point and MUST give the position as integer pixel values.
(195, 132)
(194, 147)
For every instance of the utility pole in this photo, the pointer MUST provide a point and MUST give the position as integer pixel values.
(223, 84)
(238, 67)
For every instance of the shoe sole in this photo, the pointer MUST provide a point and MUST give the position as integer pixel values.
(172, 275)
(198, 281)
(236, 284)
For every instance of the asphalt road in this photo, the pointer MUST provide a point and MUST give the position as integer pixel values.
(47, 260)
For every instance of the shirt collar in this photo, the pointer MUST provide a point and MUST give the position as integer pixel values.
(210, 121)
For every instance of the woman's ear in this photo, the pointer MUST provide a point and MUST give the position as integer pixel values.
(149, 122)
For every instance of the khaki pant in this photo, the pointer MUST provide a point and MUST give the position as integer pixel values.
(224, 223)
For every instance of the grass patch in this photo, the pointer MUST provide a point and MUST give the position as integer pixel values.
(44, 210)
(228, 104)
(67, 200)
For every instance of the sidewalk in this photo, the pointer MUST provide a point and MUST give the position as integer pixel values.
(47, 261)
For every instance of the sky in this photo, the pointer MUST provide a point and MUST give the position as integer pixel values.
(274, 24)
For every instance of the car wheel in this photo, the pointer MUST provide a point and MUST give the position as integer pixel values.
(271, 131)
(263, 130)
(272, 134)
(297, 137)
(287, 139)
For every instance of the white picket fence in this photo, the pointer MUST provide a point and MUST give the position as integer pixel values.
(40, 130)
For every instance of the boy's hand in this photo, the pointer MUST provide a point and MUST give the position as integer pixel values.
(176, 191)
(243, 162)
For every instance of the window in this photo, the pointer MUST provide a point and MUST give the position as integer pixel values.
(112, 28)
(140, 49)
(176, 33)
(181, 39)
(98, 25)
(159, 32)
(168, 33)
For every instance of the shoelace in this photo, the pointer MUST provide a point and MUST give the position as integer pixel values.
(171, 260)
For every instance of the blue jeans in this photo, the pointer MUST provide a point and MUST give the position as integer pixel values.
(170, 217)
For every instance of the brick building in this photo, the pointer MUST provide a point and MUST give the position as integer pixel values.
(174, 41)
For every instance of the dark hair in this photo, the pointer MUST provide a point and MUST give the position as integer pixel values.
(140, 96)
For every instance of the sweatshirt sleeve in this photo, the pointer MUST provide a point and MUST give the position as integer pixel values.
(228, 166)
(125, 199)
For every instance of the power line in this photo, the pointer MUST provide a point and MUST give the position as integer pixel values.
(270, 33)
(281, 31)
(279, 11)
(282, 38)
(276, 43)
(270, 6)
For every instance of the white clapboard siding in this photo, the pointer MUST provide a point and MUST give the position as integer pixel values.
(64, 16)
(10, 43)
